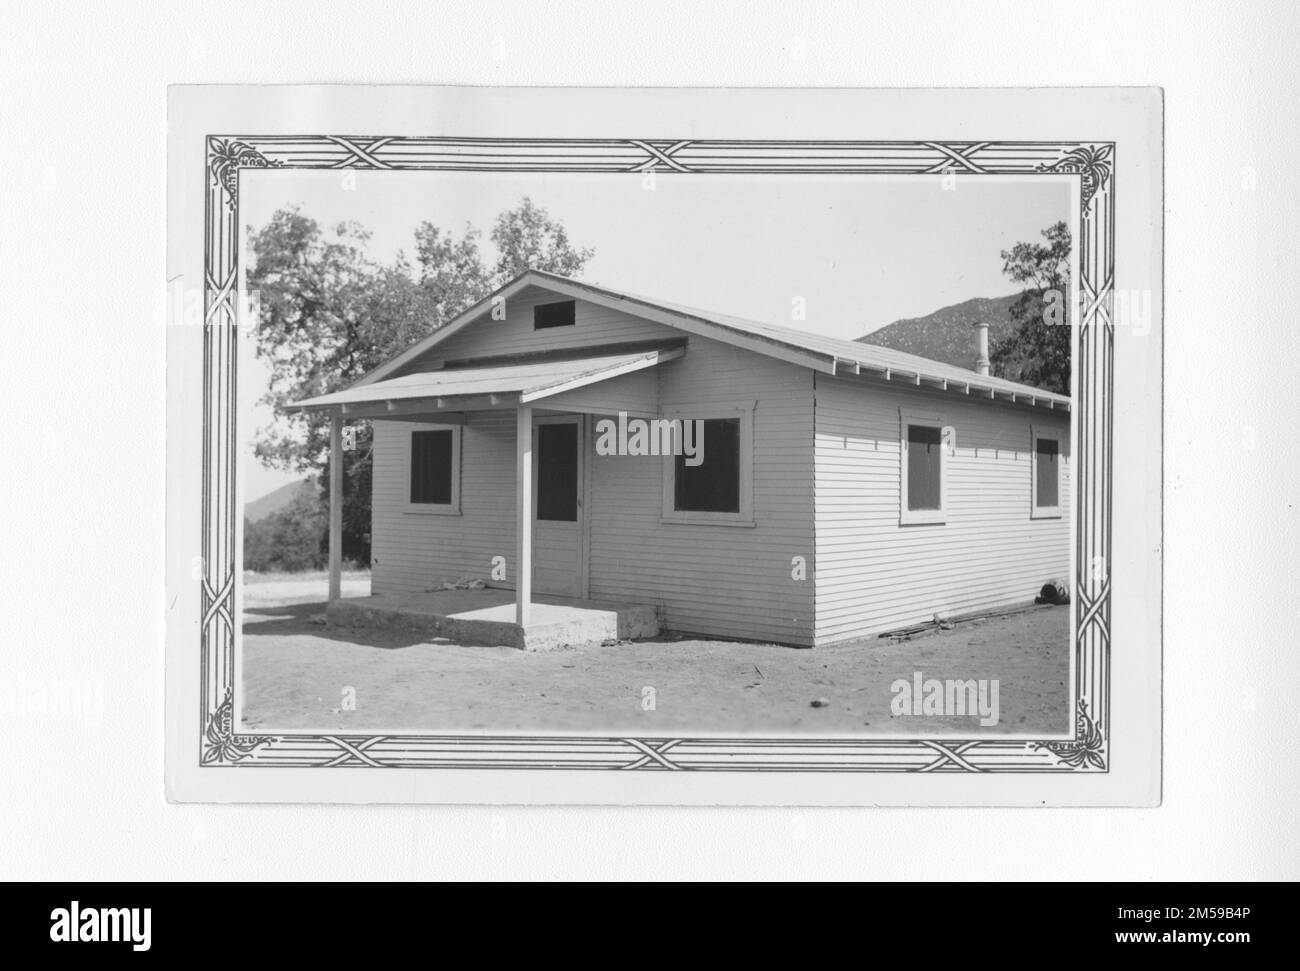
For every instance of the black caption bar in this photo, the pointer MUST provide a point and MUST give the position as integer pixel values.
(330, 921)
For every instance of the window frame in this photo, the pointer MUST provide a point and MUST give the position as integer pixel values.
(451, 508)
(923, 517)
(1037, 432)
(579, 425)
(555, 303)
(744, 466)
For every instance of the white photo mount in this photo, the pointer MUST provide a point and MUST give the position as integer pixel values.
(209, 759)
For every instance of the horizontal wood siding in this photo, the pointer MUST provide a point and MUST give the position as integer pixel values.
(413, 552)
(633, 393)
(593, 326)
(874, 575)
(725, 581)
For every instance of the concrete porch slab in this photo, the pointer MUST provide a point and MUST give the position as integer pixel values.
(487, 617)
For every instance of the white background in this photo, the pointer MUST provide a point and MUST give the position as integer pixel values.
(81, 365)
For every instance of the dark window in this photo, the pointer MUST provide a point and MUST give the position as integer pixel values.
(714, 484)
(553, 315)
(431, 466)
(1048, 479)
(923, 467)
(557, 472)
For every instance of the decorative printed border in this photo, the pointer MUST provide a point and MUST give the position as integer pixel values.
(1091, 162)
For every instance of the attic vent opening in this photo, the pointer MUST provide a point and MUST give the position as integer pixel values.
(560, 314)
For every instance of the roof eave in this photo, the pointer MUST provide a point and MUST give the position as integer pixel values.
(914, 379)
(431, 405)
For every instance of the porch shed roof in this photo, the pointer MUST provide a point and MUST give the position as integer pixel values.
(514, 383)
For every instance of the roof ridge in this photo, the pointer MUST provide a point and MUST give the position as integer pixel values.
(849, 349)
(821, 351)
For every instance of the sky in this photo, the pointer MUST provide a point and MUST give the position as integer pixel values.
(861, 251)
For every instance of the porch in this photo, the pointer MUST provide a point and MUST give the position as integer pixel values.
(552, 399)
(489, 617)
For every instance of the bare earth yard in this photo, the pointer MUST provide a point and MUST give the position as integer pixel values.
(297, 672)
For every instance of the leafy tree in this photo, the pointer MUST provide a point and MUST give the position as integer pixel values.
(1038, 350)
(330, 314)
(451, 273)
(526, 237)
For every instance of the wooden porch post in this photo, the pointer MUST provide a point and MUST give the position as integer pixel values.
(336, 504)
(524, 520)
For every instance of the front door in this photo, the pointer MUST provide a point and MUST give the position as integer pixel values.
(558, 547)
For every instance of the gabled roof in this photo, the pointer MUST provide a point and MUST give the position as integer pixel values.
(829, 355)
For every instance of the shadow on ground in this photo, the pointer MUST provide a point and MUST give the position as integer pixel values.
(307, 619)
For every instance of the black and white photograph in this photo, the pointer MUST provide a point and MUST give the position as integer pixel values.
(734, 416)
(712, 442)
(542, 452)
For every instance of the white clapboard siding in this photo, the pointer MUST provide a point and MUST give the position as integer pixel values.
(593, 325)
(873, 574)
(724, 581)
(415, 551)
(633, 393)
(825, 487)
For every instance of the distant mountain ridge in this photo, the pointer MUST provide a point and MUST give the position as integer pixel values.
(276, 500)
(947, 334)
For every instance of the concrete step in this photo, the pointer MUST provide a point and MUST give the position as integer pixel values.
(488, 620)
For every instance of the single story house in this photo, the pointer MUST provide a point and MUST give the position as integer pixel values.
(842, 489)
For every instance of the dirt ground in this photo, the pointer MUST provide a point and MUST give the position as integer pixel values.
(297, 674)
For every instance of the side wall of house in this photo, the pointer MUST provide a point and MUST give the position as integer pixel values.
(718, 580)
(415, 551)
(874, 574)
